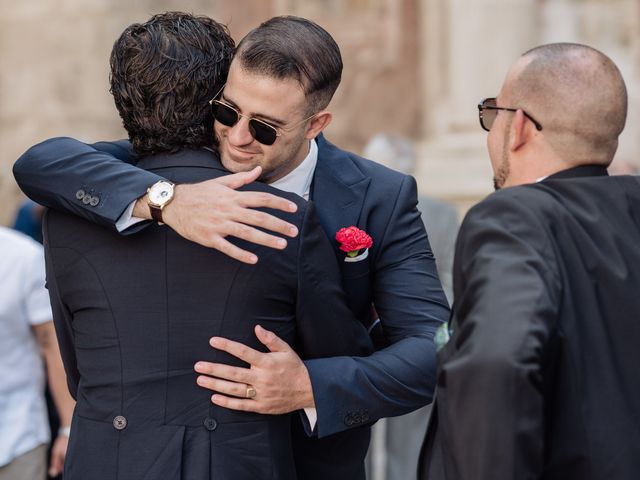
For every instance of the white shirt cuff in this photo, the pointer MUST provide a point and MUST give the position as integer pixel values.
(127, 219)
(312, 416)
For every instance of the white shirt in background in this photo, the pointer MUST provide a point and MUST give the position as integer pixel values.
(24, 302)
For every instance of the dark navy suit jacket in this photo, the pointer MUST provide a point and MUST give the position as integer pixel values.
(134, 315)
(399, 276)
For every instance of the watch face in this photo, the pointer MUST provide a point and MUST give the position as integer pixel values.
(160, 193)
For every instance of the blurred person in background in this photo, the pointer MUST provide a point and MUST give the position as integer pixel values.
(396, 440)
(440, 218)
(27, 337)
(539, 377)
(271, 113)
(28, 220)
(621, 167)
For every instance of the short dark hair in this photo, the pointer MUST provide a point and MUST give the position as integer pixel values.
(294, 47)
(163, 73)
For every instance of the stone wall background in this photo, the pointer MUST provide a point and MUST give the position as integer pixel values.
(412, 67)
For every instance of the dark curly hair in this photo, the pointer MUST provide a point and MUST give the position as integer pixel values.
(163, 73)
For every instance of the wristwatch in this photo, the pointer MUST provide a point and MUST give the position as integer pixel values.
(159, 195)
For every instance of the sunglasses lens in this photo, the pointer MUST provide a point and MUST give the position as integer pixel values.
(227, 116)
(487, 114)
(263, 133)
(224, 114)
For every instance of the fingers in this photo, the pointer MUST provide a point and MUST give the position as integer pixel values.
(266, 200)
(246, 215)
(254, 199)
(56, 465)
(239, 350)
(271, 340)
(225, 372)
(246, 232)
(233, 251)
(245, 405)
(58, 452)
(237, 180)
(223, 386)
(208, 212)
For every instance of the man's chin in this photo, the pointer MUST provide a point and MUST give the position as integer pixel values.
(237, 167)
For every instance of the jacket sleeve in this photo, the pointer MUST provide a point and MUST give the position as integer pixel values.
(508, 289)
(326, 325)
(411, 305)
(96, 182)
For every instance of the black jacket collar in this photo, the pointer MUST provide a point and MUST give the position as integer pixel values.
(581, 171)
(186, 157)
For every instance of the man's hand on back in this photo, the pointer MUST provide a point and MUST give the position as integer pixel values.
(279, 377)
(209, 211)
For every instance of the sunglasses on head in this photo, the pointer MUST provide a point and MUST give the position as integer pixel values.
(261, 131)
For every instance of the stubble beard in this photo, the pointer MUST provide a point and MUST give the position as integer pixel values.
(504, 169)
(502, 174)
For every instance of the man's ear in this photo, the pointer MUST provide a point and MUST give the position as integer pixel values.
(523, 128)
(318, 123)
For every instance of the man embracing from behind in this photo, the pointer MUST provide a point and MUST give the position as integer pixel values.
(271, 114)
(134, 314)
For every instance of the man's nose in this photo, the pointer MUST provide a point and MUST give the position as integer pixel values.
(239, 134)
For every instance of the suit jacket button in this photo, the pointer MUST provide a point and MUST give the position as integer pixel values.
(86, 199)
(94, 201)
(80, 194)
(119, 423)
(210, 424)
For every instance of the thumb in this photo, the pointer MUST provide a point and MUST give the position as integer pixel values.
(237, 180)
(271, 340)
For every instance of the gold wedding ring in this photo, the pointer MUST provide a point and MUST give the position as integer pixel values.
(251, 392)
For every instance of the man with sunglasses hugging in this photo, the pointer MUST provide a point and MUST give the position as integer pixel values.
(133, 314)
(540, 377)
(269, 118)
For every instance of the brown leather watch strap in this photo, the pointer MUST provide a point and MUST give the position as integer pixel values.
(156, 213)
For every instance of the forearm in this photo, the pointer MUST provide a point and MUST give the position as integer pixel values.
(58, 386)
(390, 382)
(55, 372)
(67, 175)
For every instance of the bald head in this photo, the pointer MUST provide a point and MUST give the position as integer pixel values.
(578, 95)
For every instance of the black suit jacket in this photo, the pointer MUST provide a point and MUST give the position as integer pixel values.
(134, 315)
(399, 276)
(539, 379)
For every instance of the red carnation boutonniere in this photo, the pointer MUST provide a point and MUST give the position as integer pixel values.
(354, 241)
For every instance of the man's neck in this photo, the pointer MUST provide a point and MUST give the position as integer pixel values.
(299, 179)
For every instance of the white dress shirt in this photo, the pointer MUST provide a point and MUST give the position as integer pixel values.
(24, 302)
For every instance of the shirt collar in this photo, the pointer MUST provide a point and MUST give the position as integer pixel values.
(299, 179)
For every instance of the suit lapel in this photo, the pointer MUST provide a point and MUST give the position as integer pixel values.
(338, 190)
